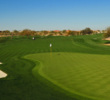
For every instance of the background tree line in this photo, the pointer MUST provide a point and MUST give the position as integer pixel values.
(28, 33)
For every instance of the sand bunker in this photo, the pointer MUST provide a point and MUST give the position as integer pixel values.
(1, 63)
(2, 74)
(107, 44)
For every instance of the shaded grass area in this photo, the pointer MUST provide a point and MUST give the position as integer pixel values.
(20, 83)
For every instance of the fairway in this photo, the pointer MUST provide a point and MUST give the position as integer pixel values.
(83, 74)
(77, 68)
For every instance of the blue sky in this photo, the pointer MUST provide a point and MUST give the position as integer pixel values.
(54, 14)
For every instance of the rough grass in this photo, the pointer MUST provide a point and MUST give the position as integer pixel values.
(20, 83)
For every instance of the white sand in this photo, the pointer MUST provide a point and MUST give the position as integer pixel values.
(2, 74)
(1, 63)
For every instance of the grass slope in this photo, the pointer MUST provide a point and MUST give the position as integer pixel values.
(20, 83)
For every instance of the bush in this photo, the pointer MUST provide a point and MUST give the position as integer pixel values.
(108, 33)
(86, 31)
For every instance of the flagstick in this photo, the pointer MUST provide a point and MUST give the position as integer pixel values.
(50, 50)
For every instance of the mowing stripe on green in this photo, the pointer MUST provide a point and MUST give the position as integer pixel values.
(83, 74)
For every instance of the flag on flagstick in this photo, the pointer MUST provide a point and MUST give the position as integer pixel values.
(50, 45)
(50, 49)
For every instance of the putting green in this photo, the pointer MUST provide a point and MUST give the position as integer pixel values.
(87, 75)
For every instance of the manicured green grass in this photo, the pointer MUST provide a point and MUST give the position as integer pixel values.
(83, 74)
(21, 84)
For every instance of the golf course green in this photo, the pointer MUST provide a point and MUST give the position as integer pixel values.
(83, 74)
(77, 68)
